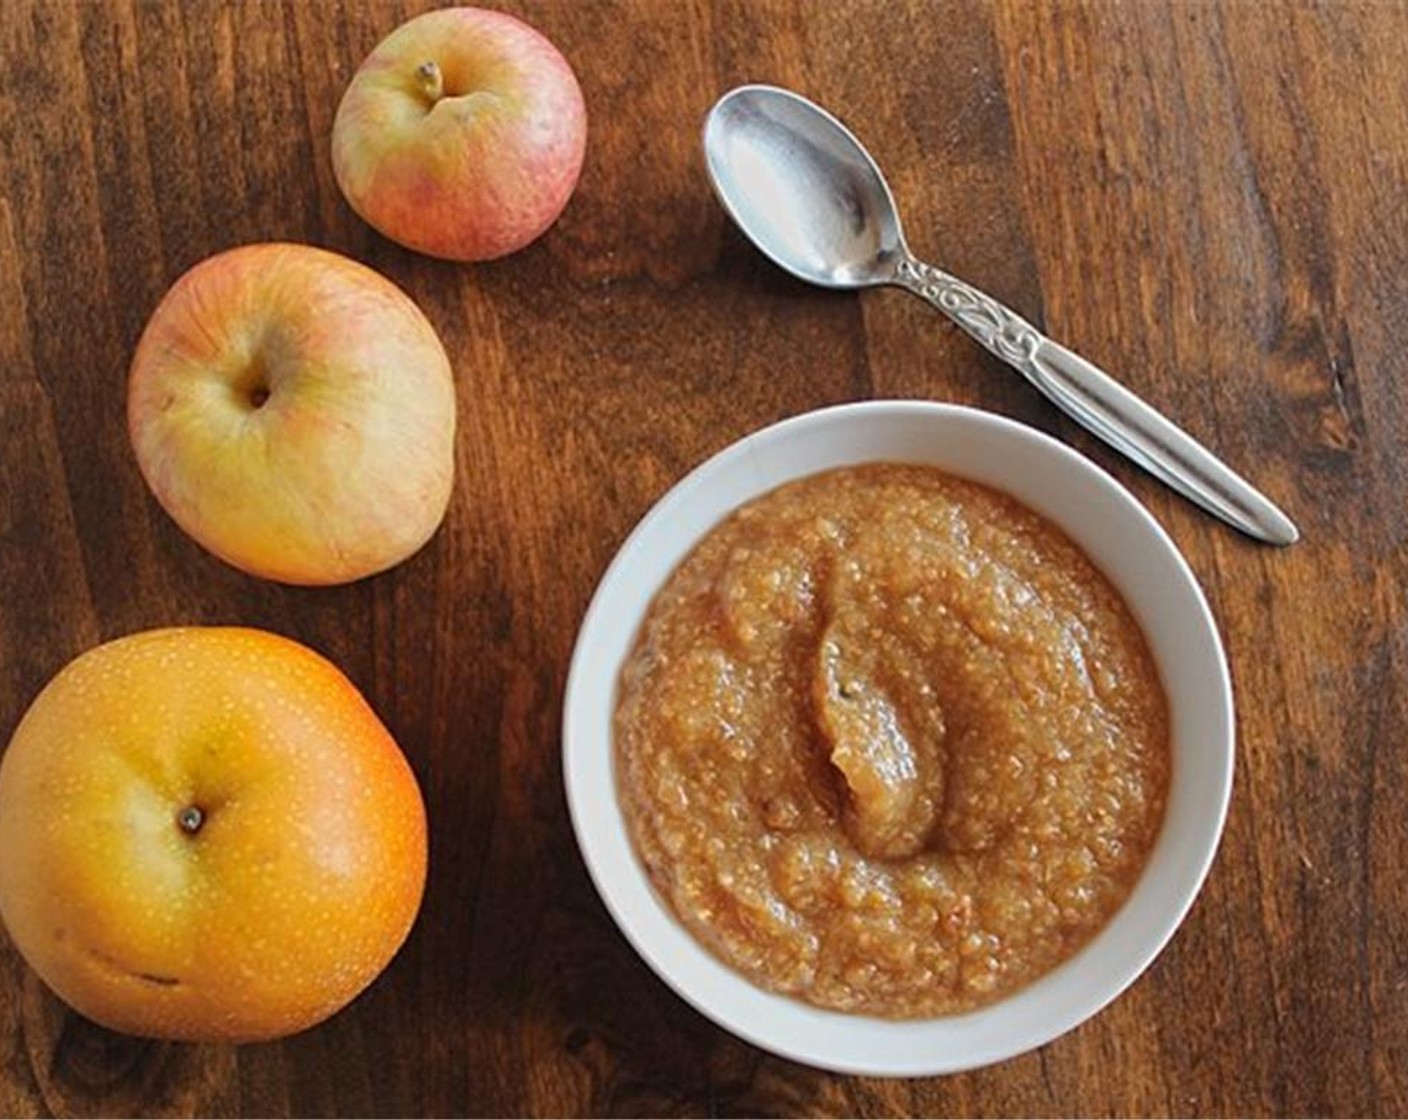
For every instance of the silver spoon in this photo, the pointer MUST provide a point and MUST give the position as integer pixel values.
(807, 194)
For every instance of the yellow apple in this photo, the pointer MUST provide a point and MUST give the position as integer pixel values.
(294, 412)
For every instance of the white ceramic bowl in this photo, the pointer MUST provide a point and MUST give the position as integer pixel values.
(1113, 529)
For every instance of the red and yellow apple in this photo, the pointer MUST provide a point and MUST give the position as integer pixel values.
(294, 412)
(461, 135)
(207, 834)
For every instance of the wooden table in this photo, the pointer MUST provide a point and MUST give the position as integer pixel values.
(1209, 200)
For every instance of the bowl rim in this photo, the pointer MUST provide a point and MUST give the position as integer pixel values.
(902, 1062)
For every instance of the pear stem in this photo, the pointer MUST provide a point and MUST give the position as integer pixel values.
(190, 819)
(430, 80)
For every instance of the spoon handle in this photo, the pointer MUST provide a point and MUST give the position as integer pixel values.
(1104, 406)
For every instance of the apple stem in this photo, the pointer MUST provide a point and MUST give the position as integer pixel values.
(190, 819)
(431, 80)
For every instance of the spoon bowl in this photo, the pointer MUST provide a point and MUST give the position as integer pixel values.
(803, 189)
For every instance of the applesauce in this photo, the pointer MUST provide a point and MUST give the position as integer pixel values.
(890, 743)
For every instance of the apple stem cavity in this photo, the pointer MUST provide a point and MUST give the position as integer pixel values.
(431, 80)
(190, 819)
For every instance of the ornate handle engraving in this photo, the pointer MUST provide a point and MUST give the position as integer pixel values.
(1093, 398)
(1005, 334)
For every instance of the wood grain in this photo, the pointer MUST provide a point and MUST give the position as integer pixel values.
(1211, 200)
